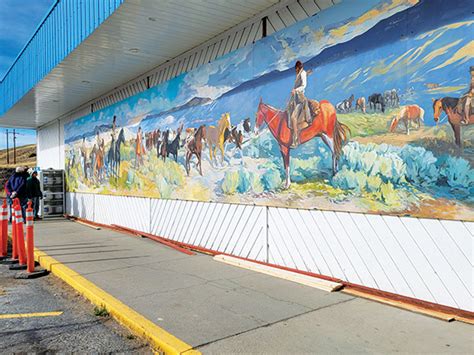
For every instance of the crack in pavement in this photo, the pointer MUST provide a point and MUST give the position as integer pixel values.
(203, 283)
(272, 323)
(236, 289)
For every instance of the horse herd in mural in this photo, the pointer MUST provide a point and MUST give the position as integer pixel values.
(389, 98)
(100, 165)
(410, 115)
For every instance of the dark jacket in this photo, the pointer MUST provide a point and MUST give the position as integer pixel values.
(33, 188)
(17, 182)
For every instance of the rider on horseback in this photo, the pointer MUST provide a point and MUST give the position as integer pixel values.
(300, 110)
(465, 102)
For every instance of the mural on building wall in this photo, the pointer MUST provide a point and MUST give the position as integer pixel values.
(376, 117)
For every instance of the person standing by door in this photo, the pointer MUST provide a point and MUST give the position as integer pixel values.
(34, 193)
(16, 187)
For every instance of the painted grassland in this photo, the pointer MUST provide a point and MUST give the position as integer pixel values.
(421, 174)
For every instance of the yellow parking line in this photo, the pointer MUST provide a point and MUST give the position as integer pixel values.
(30, 315)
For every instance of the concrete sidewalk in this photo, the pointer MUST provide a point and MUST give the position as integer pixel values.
(219, 308)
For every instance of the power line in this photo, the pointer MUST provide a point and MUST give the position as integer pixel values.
(14, 146)
(8, 151)
(14, 134)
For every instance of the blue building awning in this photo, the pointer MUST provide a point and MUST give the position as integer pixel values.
(67, 24)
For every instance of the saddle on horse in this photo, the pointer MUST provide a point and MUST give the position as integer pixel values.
(314, 110)
(306, 110)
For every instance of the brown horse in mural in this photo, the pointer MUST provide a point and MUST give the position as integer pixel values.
(360, 104)
(449, 106)
(99, 169)
(193, 146)
(408, 114)
(325, 125)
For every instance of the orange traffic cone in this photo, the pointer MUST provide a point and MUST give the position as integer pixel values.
(31, 271)
(4, 230)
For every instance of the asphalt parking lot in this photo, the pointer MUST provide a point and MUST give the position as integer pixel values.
(74, 327)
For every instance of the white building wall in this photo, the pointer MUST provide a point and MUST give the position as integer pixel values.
(48, 147)
(428, 259)
(50, 140)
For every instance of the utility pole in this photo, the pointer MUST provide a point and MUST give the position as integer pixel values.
(14, 146)
(8, 151)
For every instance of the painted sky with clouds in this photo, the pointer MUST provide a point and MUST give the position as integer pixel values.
(304, 40)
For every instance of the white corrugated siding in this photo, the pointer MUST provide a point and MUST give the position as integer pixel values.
(422, 258)
(233, 229)
(414, 257)
(131, 212)
(80, 205)
(48, 147)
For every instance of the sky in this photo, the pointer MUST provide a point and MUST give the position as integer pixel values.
(24, 137)
(18, 21)
(17, 24)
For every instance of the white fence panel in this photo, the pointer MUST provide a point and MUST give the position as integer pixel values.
(233, 229)
(422, 258)
(70, 196)
(426, 259)
(131, 212)
(459, 259)
(383, 268)
(80, 205)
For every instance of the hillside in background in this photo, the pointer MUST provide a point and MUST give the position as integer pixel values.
(25, 155)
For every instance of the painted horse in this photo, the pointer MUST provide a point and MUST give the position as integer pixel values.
(237, 134)
(162, 147)
(360, 104)
(114, 154)
(376, 99)
(99, 169)
(157, 142)
(449, 106)
(193, 146)
(172, 148)
(236, 137)
(408, 114)
(345, 105)
(325, 125)
(215, 136)
(245, 125)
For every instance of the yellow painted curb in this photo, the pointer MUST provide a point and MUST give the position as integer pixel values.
(160, 339)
